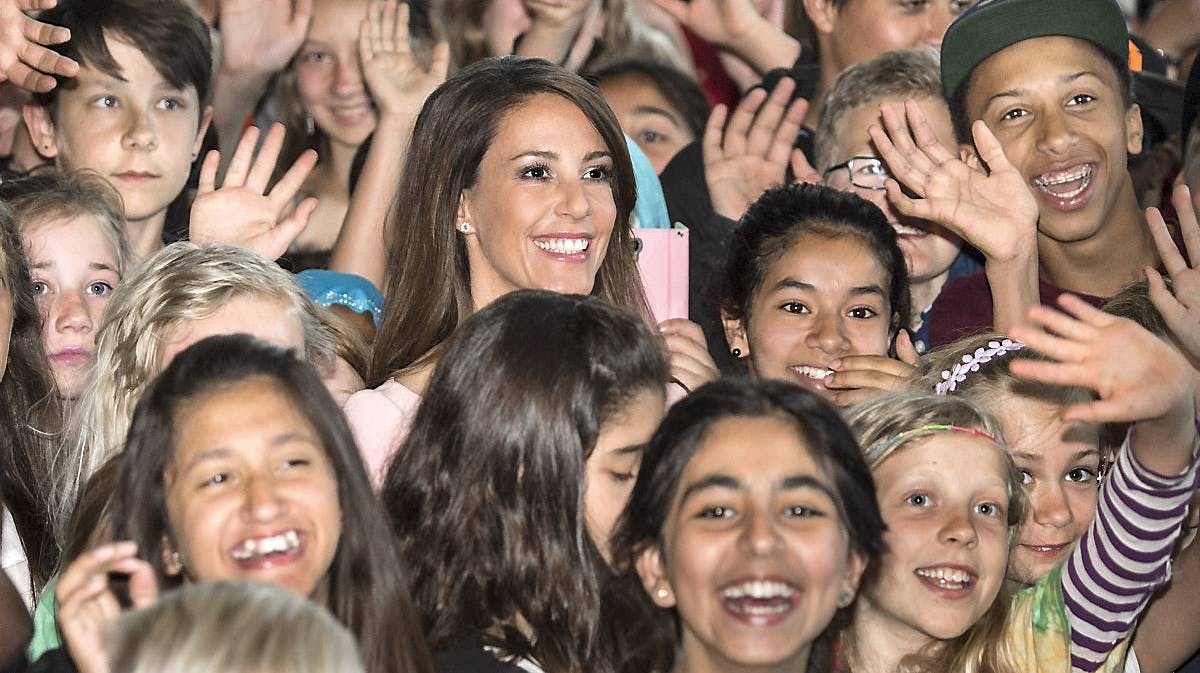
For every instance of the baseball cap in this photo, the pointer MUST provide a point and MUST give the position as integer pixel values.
(993, 25)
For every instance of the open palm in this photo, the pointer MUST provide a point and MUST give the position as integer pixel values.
(991, 207)
(398, 83)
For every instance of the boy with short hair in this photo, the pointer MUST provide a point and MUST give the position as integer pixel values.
(1050, 79)
(846, 159)
(138, 109)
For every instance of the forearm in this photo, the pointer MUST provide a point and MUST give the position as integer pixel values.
(1167, 635)
(235, 97)
(766, 48)
(360, 246)
(1014, 286)
(1125, 555)
(548, 41)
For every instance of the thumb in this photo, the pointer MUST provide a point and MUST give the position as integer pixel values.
(275, 241)
(905, 349)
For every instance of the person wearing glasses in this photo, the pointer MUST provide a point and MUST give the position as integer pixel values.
(846, 159)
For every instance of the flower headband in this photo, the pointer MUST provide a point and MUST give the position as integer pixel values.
(971, 362)
(889, 443)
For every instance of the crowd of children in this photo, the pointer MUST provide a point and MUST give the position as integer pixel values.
(325, 340)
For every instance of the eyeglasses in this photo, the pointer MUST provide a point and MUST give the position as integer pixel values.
(865, 172)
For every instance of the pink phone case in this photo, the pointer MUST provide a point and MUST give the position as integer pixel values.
(663, 263)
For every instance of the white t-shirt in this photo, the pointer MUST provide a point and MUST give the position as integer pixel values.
(13, 559)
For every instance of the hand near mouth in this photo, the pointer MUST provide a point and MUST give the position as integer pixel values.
(858, 378)
(988, 204)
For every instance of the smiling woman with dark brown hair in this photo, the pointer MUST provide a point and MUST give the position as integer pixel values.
(517, 177)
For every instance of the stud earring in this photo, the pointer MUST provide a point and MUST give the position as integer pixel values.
(310, 124)
(663, 593)
(844, 599)
(735, 352)
(464, 227)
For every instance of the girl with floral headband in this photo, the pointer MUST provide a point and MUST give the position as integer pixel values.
(951, 501)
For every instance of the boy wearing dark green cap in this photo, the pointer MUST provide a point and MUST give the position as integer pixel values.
(1050, 78)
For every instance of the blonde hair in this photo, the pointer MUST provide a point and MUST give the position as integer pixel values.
(183, 282)
(982, 648)
(38, 198)
(233, 627)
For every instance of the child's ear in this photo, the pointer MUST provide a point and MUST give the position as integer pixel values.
(41, 130)
(654, 578)
(1135, 131)
(735, 336)
(205, 120)
(821, 13)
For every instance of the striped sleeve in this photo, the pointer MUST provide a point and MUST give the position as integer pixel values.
(1124, 556)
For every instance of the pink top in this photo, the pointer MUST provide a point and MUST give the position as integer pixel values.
(380, 419)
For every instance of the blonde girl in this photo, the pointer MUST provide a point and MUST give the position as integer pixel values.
(73, 230)
(1080, 614)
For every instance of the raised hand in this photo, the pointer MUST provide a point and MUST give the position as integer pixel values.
(397, 82)
(858, 378)
(24, 58)
(756, 149)
(261, 36)
(1180, 309)
(993, 209)
(720, 22)
(691, 365)
(1138, 376)
(87, 607)
(242, 212)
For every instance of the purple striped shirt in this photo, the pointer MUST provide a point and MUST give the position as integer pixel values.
(1124, 556)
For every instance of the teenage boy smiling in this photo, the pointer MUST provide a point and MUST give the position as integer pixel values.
(137, 111)
(1051, 81)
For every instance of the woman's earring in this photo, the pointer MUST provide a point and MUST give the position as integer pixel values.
(845, 599)
(735, 352)
(663, 593)
(464, 227)
(310, 124)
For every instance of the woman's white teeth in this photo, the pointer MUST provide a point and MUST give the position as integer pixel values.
(759, 589)
(812, 372)
(949, 578)
(563, 246)
(284, 542)
(1081, 174)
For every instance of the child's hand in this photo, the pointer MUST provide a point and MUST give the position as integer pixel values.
(24, 60)
(398, 83)
(1139, 377)
(691, 365)
(87, 607)
(720, 22)
(241, 212)
(858, 378)
(992, 210)
(261, 36)
(753, 154)
(1181, 309)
